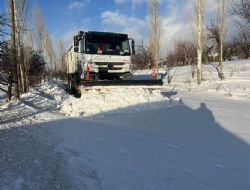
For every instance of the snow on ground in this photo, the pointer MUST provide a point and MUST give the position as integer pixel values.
(182, 137)
(41, 99)
(236, 85)
(115, 101)
(171, 148)
(2, 95)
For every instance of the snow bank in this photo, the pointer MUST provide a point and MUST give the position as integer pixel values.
(120, 100)
(50, 90)
(47, 98)
(34, 106)
(236, 84)
(3, 95)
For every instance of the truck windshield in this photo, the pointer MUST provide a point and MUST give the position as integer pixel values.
(110, 46)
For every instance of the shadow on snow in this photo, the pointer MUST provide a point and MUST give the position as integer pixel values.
(176, 148)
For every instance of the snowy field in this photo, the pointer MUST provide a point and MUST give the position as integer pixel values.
(184, 136)
(236, 86)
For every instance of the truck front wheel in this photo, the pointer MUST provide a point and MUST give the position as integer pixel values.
(72, 83)
(127, 76)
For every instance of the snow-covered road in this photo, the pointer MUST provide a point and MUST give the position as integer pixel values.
(194, 145)
(233, 115)
(174, 148)
(185, 137)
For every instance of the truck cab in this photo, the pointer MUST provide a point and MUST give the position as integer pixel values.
(101, 55)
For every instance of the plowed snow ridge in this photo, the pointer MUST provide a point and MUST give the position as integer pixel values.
(111, 101)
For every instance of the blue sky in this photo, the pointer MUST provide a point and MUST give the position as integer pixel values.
(65, 17)
(85, 14)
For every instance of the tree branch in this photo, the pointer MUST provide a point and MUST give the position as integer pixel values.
(3, 90)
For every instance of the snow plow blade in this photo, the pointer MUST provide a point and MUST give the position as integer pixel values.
(121, 83)
(83, 85)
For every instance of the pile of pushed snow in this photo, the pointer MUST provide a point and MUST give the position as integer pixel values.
(110, 101)
(50, 90)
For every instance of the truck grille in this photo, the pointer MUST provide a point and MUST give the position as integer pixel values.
(109, 66)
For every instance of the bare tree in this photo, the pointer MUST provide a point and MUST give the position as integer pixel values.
(171, 59)
(3, 23)
(27, 54)
(241, 9)
(16, 55)
(39, 29)
(43, 39)
(230, 50)
(186, 53)
(243, 42)
(154, 31)
(5, 67)
(213, 35)
(199, 6)
(61, 59)
(215, 44)
(142, 58)
(49, 50)
(221, 17)
(13, 54)
(21, 15)
(37, 67)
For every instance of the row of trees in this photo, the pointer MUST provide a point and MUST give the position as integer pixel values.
(209, 42)
(26, 54)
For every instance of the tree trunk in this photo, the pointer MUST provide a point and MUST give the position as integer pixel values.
(200, 15)
(199, 66)
(221, 74)
(25, 79)
(22, 86)
(9, 94)
(192, 68)
(154, 32)
(246, 51)
(222, 7)
(13, 48)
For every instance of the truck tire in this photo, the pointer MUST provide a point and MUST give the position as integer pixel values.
(127, 76)
(94, 77)
(69, 83)
(72, 83)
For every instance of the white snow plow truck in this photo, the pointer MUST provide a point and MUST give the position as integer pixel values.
(101, 59)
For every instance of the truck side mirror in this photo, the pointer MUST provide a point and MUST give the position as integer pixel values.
(133, 46)
(76, 44)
